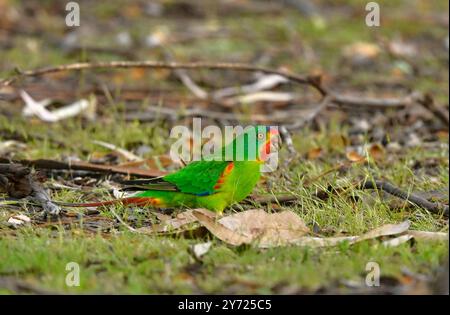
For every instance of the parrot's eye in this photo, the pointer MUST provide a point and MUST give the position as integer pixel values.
(260, 136)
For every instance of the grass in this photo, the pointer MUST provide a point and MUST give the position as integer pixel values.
(123, 262)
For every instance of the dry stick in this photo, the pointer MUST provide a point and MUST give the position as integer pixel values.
(353, 100)
(427, 101)
(86, 166)
(432, 207)
(185, 78)
(308, 80)
(151, 112)
(287, 139)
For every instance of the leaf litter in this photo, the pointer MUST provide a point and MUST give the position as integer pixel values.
(261, 229)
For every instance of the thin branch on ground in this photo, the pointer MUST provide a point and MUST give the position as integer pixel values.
(427, 101)
(432, 207)
(314, 81)
(86, 166)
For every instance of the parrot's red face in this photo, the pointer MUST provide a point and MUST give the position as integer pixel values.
(271, 144)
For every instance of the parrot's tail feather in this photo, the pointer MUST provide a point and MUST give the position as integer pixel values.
(136, 201)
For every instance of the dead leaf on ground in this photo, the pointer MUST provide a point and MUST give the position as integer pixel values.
(354, 156)
(314, 153)
(429, 236)
(254, 226)
(376, 151)
(19, 219)
(198, 250)
(264, 230)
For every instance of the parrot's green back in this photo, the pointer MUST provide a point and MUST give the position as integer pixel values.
(211, 192)
(208, 183)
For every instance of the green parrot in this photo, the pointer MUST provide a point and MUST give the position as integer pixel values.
(214, 182)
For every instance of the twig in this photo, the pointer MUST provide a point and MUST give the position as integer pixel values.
(85, 166)
(151, 112)
(432, 207)
(270, 199)
(427, 101)
(185, 78)
(132, 229)
(354, 100)
(287, 139)
(313, 81)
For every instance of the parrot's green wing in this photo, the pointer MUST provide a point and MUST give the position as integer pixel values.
(198, 178)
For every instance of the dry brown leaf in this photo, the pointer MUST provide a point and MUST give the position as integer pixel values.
(428, 236)
(314, 153)
(255, 226)
(397, 241)
(361, 50)
(376, 151)
(354, 156)
(200, 249)
(209, 220)
(384, 230)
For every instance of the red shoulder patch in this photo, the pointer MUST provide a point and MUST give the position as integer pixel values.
(224, 175)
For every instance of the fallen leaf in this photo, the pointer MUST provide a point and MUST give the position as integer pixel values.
(354, 156)
(255, 226)
(18, 220)
(376, 151)
(200, 249)
(401, 48)
(314, 153)
(385, 230)
(397, 241)
(209, 220)
(429, 236)
(361, 53)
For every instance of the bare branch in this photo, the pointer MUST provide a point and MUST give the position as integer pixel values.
(313, 81)
(432, 207)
